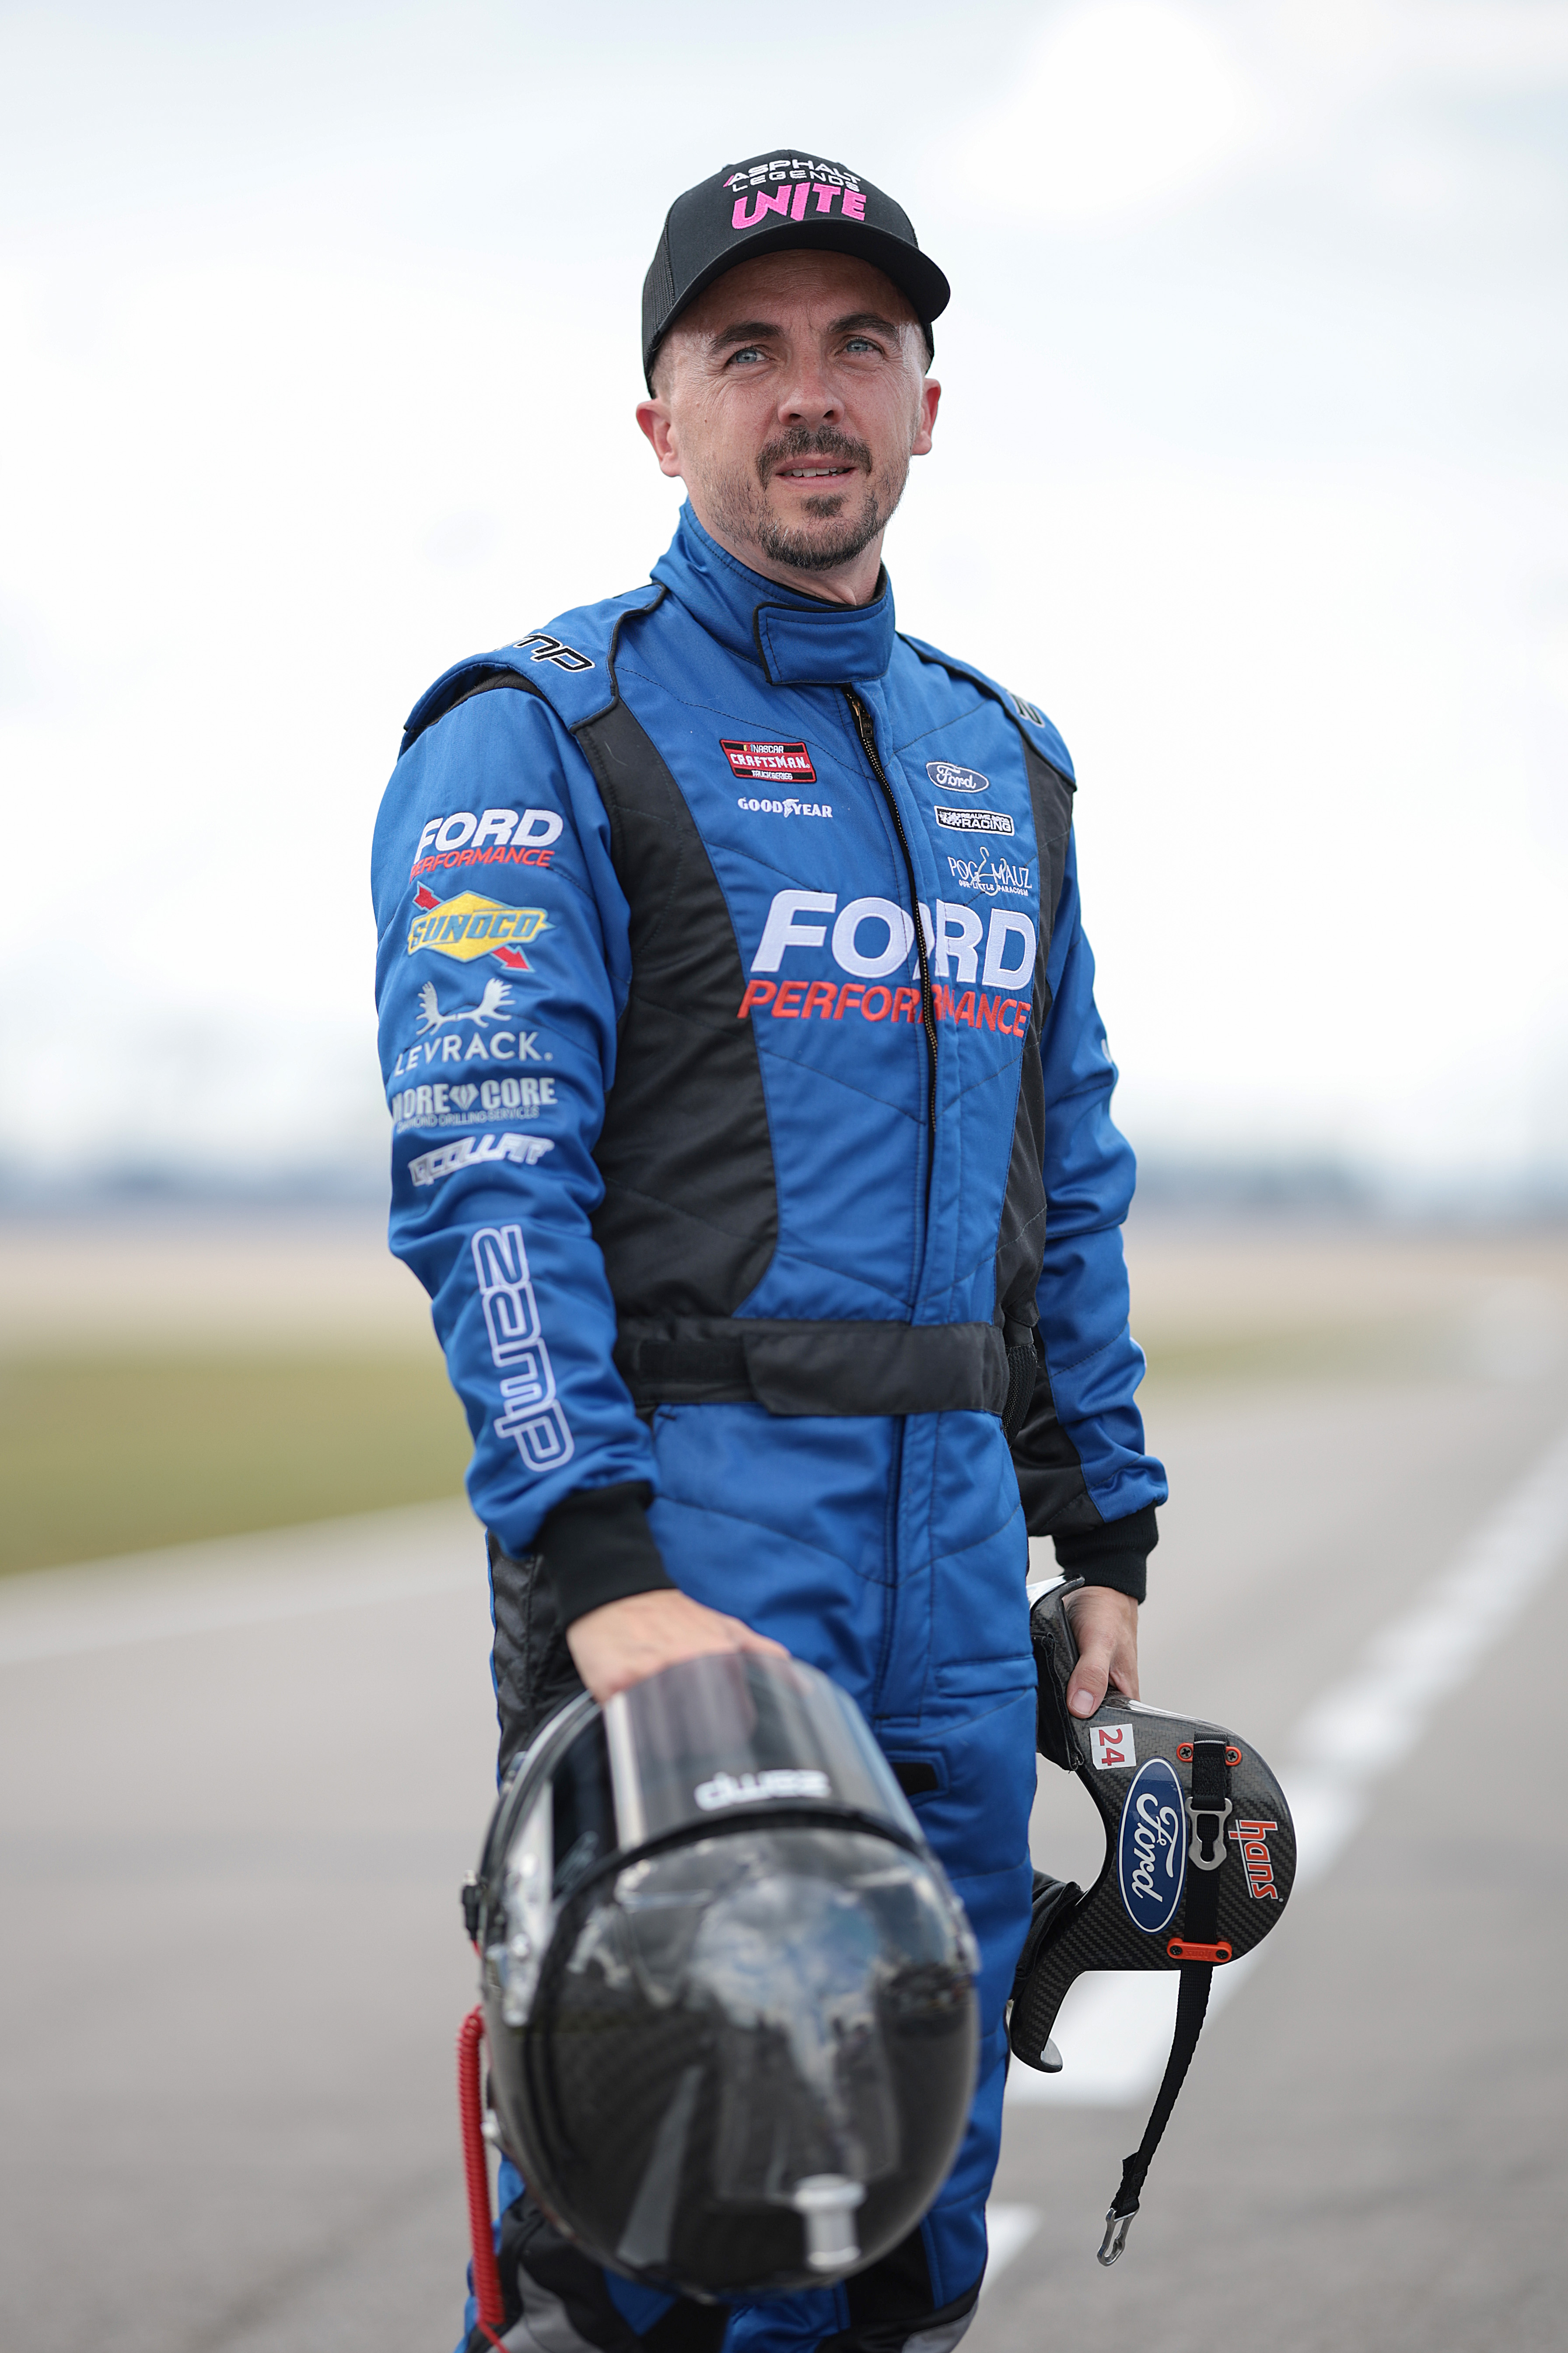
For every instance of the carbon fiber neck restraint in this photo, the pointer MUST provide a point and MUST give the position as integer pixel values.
(1218, 1847)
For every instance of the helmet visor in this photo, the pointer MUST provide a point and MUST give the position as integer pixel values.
(736, 1733)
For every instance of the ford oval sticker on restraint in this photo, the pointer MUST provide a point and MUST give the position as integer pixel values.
(1151, 1848)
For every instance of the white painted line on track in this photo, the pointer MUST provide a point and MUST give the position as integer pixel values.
(1114, 2027)
(1008, 2230)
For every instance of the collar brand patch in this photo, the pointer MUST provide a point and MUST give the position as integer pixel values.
(770, 762)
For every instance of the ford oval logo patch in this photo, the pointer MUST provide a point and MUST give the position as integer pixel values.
(948, 777)
(1151, 1849)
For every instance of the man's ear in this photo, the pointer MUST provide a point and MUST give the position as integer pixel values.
(925, 418)
(656, 421)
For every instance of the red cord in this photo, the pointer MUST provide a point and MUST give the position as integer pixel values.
(476, 2172)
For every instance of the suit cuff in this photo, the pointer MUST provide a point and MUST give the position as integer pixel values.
(597, 1546)
(1115, 1554)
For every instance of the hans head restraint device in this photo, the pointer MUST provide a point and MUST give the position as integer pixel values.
(727, 1989)
(1200, 1854)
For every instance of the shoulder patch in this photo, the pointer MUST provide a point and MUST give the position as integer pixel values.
(540, 647)
(548, 663)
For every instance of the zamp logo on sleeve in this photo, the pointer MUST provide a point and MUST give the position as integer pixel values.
(532, 1417)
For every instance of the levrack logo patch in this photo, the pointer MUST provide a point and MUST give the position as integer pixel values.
(469, 926)
(769, 762)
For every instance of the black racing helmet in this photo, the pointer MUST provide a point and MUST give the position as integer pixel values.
(727, 1990)
(1200, 1859)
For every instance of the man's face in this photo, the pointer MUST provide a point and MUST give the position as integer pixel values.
(790, 399)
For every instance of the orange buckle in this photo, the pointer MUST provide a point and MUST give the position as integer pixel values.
(1184, 1754)
(1180, 1950)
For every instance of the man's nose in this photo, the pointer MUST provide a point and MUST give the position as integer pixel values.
(806, 396)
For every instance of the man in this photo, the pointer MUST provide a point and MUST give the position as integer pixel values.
(752, 1138)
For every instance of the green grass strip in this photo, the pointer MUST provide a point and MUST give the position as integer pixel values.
(113, 1454)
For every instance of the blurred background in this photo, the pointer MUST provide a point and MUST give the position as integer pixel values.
(317, 356)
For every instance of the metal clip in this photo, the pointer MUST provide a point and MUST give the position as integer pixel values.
(1116, 2229)
(1207, 1854)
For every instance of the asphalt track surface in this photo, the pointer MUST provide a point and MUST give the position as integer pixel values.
(239, 1786)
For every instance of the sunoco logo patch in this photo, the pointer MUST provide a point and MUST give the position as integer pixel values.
(469, 926)
(1151, 1850)
(769, 762)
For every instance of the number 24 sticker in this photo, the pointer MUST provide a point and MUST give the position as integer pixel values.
(1111, 1744)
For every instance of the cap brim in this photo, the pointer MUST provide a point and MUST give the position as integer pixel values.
(914, 273)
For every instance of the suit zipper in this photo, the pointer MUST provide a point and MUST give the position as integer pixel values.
(928, 1004)
(864, 729)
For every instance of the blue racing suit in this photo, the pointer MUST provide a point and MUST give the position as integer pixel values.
(752, 1136)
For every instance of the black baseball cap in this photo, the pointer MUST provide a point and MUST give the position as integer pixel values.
(766, 205)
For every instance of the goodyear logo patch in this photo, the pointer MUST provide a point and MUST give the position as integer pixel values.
(468, 926)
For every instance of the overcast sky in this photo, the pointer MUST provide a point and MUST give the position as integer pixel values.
(318, 349)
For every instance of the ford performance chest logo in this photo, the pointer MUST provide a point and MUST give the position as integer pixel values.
(1151, 1851)
(949, 778)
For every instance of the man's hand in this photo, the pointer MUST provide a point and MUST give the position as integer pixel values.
(625, 1640)
(1105, 1628)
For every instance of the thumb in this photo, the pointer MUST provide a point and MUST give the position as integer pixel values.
(1089, 1677)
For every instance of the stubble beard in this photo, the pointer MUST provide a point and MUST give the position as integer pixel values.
(846, 521)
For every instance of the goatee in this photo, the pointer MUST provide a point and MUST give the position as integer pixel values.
(858, 510)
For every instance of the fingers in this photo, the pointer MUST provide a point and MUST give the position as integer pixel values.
(1090, 1679)
(749, 1640)
(618, 1645)
(1105, 1628)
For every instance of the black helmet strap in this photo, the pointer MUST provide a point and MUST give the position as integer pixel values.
(1208, 1810)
